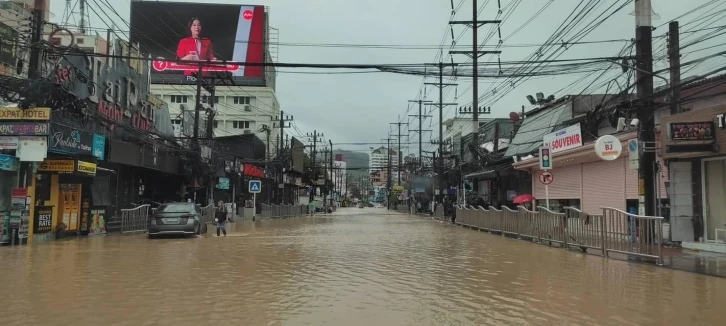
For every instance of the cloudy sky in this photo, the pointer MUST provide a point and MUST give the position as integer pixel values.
(359, 107)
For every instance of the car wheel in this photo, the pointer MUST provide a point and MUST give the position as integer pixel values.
(204, 228)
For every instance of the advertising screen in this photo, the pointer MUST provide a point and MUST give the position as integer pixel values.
(210, 33)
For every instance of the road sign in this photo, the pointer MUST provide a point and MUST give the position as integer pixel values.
(255, 186)
(634, 154)
(546, 178)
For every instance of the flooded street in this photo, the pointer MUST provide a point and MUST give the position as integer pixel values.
(353, 268)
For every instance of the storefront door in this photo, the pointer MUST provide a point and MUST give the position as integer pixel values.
(714, 176)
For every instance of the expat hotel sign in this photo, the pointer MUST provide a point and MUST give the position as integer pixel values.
(564, 139)
(40, 114)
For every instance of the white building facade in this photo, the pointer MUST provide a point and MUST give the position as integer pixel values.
(378, 161)
(239, 110)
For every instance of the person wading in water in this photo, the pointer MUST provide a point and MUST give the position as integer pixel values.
(220, 216)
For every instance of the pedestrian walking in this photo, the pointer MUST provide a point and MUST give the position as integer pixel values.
(221, 218)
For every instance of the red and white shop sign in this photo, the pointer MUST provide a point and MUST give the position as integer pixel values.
(564, 139)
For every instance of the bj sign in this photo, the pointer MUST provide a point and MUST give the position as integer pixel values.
(564, 139)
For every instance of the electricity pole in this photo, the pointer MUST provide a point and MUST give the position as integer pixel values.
(474, 54)
(398, 151)
(389, 188)
(674, 56)
(644, 89)
(420, 117)
(441, 105)
(331, 165)
(280, 150)
(313, 159)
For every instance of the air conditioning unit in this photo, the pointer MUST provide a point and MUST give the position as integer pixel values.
(246, 132)
(247, 108)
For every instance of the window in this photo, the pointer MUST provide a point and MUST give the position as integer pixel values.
(178, 99)
(241, 124)
(176, 121)
(216, 123)
(205, 99)
(241, 100)
(79, 40)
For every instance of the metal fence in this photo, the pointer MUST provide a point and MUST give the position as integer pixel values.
(135, 219)
(614, 231)
(282, 211)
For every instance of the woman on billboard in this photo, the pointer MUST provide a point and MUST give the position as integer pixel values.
(195, 47)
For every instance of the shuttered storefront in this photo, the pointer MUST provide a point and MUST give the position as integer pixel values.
(567, 183)
(603, 185)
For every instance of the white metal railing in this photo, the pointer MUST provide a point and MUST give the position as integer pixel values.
(614, 231)
(135, 219)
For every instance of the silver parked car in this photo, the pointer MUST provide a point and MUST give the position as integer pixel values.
(176, 218)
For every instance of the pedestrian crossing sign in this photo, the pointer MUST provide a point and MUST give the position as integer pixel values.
(255, 186)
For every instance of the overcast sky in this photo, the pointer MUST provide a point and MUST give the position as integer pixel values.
(359, 107)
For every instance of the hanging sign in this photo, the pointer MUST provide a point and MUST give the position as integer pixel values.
(72, 141)
(608, 148)
(23, 129)
(25, 114)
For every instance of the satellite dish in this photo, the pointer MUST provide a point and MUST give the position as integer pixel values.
(514, 116)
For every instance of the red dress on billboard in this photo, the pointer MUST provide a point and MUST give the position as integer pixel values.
(190, 45)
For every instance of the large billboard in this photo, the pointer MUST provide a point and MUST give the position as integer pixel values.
(212, 33)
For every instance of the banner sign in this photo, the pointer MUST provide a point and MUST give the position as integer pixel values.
(692, 131)
(61, 166)
(86, 168)
(71, 141)
(24, 129)
(564, 139)
(25, 114)
(43, 219)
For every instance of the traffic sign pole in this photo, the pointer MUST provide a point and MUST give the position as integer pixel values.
(254, 187)
(546, 177)
(547, 196)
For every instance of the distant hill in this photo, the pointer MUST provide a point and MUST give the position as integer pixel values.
(354, 159)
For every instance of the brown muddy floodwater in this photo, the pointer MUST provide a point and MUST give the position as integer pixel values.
(359, 267)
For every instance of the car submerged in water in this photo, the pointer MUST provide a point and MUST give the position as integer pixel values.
(176, 219)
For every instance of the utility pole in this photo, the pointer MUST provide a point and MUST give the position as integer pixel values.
(674, 56)
(441, 105)
(474, 54)
(644, 89)
(331, 166)
(389, 189)
(420, 117)
(280, 150)
(313, 161)
(398, 151)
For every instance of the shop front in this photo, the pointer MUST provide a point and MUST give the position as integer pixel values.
(63, 200)
(579, 178)
(695, 149)
(23, 143)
